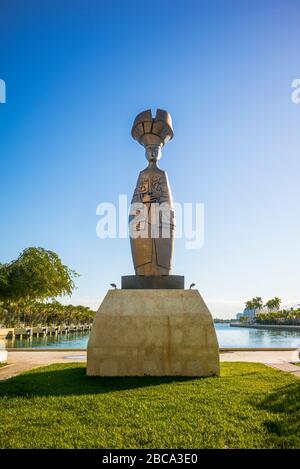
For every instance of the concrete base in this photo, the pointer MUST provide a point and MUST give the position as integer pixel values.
(154, 333)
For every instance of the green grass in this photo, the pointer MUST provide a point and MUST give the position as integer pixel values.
(250, 406)
(3, 364)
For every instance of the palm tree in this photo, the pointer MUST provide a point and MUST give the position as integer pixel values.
(277, 303)
(273, 304)
(257, 302)
(249, 304)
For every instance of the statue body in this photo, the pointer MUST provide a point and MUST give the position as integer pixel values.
(152, 254)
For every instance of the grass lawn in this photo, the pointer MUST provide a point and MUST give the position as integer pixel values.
(250, 406)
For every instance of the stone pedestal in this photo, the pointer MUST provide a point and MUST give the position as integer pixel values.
(152, 282)
(153, 333)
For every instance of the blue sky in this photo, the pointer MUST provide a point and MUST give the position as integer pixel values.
(78, 72)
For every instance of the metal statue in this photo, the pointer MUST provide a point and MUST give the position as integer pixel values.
(152, 217)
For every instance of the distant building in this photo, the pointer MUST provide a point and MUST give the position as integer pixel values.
(251, 314)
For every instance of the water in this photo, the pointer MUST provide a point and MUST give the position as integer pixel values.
(71, 340)
(228, 337)
(240, 337)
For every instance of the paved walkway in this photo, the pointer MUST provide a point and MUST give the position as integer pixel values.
(288, 367)
(281, 360)
(21, 361)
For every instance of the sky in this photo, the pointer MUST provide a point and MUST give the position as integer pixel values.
(77, 73)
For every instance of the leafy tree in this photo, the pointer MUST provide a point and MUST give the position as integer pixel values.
(33, 313)
(3, 277)
(37, 274)
(288, 317)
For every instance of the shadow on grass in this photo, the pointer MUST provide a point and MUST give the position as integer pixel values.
(285, 404)
(72, 380)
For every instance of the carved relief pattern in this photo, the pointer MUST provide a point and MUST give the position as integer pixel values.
(152, 256)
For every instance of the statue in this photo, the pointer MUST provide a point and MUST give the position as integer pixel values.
(152, 245)
(152, 217)
(152, 325)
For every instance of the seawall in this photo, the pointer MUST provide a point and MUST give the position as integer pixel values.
(278, 327)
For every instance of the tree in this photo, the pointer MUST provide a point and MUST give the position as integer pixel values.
(249, 304)
(257, 302)
(29, 282)
(34, 313)
(273, 304)
(3, 277)
(37, 274)
(277, 302)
